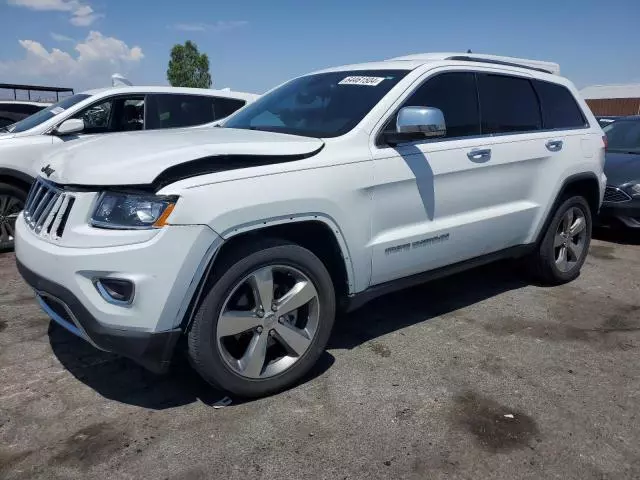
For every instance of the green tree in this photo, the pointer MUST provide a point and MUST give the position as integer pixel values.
(188, 67)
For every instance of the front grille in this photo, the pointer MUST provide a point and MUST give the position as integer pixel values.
(47, 209)
(615, 195)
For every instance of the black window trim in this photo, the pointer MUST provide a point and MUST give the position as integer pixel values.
(98, 102)
(380, 143)
(199, 95)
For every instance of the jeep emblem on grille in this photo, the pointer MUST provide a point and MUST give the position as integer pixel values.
(47, 170)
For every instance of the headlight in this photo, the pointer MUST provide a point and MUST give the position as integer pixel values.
(634, 190)
(131, 211)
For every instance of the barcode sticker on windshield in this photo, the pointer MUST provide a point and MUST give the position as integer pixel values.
(57, 110)
(371, 81)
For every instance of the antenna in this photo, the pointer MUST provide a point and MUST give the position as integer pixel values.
(118, 80)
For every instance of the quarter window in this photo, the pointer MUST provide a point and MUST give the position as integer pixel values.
(455, 95)
(508, 104)
(559, 108)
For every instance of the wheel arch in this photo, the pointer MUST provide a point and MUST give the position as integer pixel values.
(16, 178)
(585, 184)
(317, 232)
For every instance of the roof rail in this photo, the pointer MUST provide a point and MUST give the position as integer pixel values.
(466, 58)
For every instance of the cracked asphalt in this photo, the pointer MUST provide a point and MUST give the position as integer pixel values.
(481, 375)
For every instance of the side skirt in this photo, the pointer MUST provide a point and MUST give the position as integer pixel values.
(359, 299)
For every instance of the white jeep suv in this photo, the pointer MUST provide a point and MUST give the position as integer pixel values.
(97, 112)
(240, 242)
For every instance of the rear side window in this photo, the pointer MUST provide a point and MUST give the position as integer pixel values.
(508, 104)
(455, 95)
(24, 109)
(559, 108)
(226, 106)
(173, 111)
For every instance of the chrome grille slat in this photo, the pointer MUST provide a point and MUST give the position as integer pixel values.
(47, 208)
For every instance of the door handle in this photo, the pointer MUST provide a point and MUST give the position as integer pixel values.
(554, 145)
(481, 155)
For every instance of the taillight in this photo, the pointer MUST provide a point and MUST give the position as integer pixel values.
(605, 141)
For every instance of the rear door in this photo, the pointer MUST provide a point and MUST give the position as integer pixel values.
(443, 201)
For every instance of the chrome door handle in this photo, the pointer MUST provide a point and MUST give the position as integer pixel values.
(479, 155)
(554, 145)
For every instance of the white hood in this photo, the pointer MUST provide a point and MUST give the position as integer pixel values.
(137, 158)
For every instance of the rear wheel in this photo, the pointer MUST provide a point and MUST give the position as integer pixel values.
(565, 245)
(265, 320)
(11, 204)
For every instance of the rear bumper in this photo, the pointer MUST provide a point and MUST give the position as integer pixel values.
(152, 350)
(627, 213)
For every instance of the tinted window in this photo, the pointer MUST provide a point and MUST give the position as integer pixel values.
(226, 106)
(173, 111)
(321, 105)
(508, 104)
(623, 136)
(559, 108)
(47, 113)
(24, 109)
(454, 94)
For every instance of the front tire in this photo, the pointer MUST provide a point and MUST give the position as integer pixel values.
(265, 319)
(11, 204)
(565, 245)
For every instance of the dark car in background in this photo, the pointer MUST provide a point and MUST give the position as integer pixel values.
(622, 166)
(606, 120)
(12, 111)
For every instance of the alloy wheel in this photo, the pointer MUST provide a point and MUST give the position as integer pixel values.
(570, 239)
(268, 321)
(10, 208)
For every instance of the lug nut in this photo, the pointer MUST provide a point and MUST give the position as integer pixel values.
(260, 313)
(281, 320)
(272, 333)
(259, 329)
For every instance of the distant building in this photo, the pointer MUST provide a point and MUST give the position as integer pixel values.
(613, 99)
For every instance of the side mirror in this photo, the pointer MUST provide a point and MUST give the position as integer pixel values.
(72, 125)
(416, 123)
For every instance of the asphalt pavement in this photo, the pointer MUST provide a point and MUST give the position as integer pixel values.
(481, 375)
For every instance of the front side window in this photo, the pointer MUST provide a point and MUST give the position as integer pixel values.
(455, 95)
(118, 114)
(47, 113)
(322, 105)
(623, 136)
(559, 108)
(508, 104)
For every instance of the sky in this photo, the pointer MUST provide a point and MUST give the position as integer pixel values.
(255, 45)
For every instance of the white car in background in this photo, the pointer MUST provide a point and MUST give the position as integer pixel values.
(96, 112)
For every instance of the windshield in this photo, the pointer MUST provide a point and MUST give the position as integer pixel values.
(623, 136)
(321, 105)
(44, 115)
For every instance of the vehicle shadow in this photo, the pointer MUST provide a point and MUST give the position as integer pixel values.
(122, 380)
(425, 302)
(622, 236)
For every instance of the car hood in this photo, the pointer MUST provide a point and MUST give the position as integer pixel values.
(141, 158)
(621, 168)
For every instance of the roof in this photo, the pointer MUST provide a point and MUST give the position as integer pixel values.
(166, 89)
(410, 62)
(596, 92)
(39, 88)
(24, 102)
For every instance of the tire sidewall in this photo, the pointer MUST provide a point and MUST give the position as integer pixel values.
(572, 202)
(206, 355)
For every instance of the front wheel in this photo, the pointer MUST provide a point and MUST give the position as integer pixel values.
(11, 204)
(265, 319)
(565, 245)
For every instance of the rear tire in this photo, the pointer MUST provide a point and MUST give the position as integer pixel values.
(565, 245)
(12, 201)
(232, 324)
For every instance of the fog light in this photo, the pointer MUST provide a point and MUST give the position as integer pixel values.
(115, 290)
